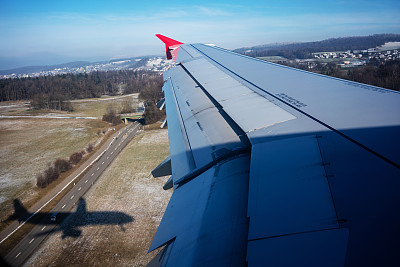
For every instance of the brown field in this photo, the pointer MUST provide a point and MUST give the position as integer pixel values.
(97, 107)
(28, 145)
(127, 187)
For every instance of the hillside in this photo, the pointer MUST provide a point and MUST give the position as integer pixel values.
(153, 63)
(305, 49)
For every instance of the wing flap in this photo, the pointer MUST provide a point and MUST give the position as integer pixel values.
(200, 129)
(248, 109)
(220, 192)
(181, 156)
(163, 169)
(288, 184)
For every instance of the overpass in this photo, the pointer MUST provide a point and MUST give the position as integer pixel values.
(132, 118)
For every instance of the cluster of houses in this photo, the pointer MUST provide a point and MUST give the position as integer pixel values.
(356, 58)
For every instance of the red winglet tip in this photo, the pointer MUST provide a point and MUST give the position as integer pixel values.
(171, 46)
(168, 41)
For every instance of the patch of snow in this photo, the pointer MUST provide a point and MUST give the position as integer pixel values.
(389, 46)
(154, 137)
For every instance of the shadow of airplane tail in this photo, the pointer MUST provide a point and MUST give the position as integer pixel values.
(20, 212)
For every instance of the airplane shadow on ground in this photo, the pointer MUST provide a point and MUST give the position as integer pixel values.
(69, 222)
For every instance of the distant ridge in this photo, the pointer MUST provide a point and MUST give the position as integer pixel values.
(71, 65)
(28, 69)
(304, 49)
(143, 63)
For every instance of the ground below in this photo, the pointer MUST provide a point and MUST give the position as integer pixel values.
(128, 187)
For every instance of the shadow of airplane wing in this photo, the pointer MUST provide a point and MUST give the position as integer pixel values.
(81, 208)
(70, 223)
(66, 229)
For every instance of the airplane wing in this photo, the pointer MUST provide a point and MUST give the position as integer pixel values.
(276, 166)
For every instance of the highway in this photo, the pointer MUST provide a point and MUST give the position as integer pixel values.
(32, 240)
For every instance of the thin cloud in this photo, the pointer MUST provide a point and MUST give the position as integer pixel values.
(203, 10)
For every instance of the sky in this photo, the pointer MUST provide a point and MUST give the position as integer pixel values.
(52, 32)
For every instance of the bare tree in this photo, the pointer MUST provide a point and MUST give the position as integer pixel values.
(127, 107)
(75, 157)
(89, 148)
(111, 116)
(62, 165)
(41, 181)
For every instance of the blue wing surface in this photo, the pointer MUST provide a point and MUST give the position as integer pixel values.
(277, 166)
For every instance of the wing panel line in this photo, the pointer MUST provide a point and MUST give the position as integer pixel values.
(296, 233)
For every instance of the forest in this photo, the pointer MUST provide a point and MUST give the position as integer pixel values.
(382, 74)
(53, 92)
(386, 75)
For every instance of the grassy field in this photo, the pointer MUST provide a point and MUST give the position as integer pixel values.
(97, 108)
(127, 187)
(93, 107)
(273, 58)
(28, 145)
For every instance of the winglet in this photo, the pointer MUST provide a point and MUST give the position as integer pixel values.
(171, 46)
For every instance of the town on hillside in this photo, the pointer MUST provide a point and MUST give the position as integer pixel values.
(157, 64)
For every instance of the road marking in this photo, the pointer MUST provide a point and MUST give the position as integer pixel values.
(79, 188)
(43, 228)
(108, 157)
(86, 181)
(102, 163)
(112, 152)
(72, 197)
(63, 206)
(31, 240)
(98, 168)
(18, 255)
(92, 174)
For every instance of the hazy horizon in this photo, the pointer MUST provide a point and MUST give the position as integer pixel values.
(49, 33)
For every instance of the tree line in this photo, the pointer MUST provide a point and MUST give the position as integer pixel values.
(53, 92)
(59, 166)
(382, 74)
(386, 75)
